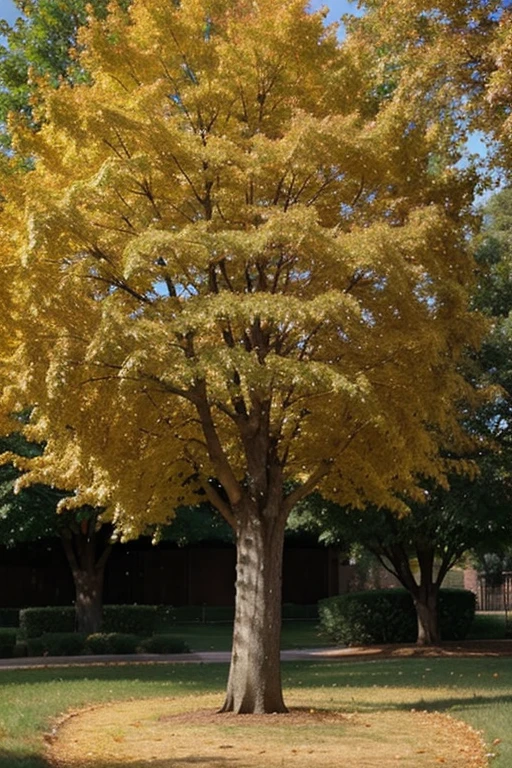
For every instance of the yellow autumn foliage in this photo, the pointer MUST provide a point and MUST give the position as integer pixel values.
(232, 260)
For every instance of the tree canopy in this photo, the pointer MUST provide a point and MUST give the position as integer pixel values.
(240, 261)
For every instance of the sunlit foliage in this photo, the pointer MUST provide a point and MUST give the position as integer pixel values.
(233, 260)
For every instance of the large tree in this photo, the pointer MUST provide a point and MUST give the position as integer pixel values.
(235, 260)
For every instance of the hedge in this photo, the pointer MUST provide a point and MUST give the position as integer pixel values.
(128, 619)
(142, 620)
(163, 644)
(112, 642)
(7, 643)
(34, 622)
(389, 616)
(101, 643)
(56, 644)
(139, 620)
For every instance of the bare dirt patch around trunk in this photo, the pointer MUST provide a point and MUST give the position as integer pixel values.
(176, 733)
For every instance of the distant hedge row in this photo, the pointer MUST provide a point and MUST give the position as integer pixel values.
(133, 618)
(141, 620)
(388, 616)
(76, 644)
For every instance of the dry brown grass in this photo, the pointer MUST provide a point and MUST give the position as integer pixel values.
(183, 732)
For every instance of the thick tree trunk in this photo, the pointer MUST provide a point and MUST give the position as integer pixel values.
(87, 554)
(254, 685)
(426, 602)
(89, 599)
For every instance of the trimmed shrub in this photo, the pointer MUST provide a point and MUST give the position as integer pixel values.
(7, 643)
(127, 619)
(456, 613)
(56, 644)
(35, 646)
(9, 617)
(112, 642)
(20, 649)
(35, 622)
(365, 618)
(388, 616)
(133, 619)
(163, 644)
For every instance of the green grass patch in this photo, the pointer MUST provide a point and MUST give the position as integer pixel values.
(477, 690)
(218, 637)
(488, 626)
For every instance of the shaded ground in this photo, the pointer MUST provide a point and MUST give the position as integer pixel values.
(466, 648)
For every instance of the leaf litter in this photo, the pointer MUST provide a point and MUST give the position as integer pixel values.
(172, 733)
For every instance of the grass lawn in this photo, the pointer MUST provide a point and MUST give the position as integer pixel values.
(304, 634)
(489, 626)
(217, 637)
(477, 690)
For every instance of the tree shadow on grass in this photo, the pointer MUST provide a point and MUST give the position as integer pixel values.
(12, 760)
(15, 760)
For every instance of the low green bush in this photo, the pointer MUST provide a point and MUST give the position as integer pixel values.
(7, 643)
(388, 616)
(35, 646)
(365, 618)
(456, 613)
(112, 643)
(56, 644)
(163, 644)
(35, 622)
(133, 619)
(127, 619)
(20, 649)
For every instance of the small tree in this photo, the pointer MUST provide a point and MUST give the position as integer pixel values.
(31, 514)
(420, 548)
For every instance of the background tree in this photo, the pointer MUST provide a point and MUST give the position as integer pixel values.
(31, 515)
(474, 513)
(420, 548)
(493, 365)
(41, 44)
(232, 261)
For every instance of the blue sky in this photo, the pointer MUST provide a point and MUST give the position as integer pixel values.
(337, 8)
(9, 12)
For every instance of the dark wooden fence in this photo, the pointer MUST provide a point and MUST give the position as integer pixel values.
(164, 575)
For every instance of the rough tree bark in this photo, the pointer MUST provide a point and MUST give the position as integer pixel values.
(254, 684)
(426, 604)
(87, 555)
(396, 559)
(89, 599)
